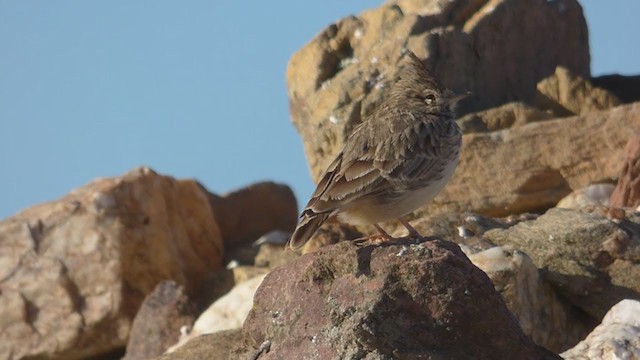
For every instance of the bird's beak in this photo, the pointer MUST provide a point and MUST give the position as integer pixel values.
(453, 99)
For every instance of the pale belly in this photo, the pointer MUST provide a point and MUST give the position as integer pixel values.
(371, 212)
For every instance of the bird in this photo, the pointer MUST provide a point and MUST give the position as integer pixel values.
(395, 161)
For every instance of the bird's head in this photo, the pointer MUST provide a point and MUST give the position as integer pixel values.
(417, 86)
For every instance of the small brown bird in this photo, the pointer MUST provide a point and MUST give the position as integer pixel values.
(395, 161)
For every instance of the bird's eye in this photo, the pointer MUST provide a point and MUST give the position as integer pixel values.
(430, 99)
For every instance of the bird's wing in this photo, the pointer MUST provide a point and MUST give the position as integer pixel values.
(385, 163)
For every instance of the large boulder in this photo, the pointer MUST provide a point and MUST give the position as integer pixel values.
(499, 50)
(402, 300)
(530, 168)
(75, 271)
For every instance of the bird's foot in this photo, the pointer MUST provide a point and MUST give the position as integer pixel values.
(413, 233)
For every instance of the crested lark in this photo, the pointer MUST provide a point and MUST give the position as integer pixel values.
(395, 161)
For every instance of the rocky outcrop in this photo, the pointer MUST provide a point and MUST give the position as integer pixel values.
(530, 168)
(499, 50)
(617, 337)
(401, 300)
(586, 257)
(73, 272)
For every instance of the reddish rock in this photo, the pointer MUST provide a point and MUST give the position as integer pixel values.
(398, 300)
(627, 191)
(248, 213)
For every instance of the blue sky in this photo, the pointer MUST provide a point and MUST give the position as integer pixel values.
(192, 89)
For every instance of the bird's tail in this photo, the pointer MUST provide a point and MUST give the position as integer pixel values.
(308, 225)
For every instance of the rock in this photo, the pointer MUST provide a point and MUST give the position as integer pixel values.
(512, 114)
(402, 300)
(546, 318)
(617, 337)
(590, 260)
(592, 195)
(228, 312)
(498, 50)
(625, 88)
(627, 190)
(248, 213)
(158, 322)
(216, 346)
(530, 168)
(75, 271)
(566, 93)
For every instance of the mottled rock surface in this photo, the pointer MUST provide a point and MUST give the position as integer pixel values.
(617, 337)
(75, 271)
(158, 322)
(589, 259)
(405, 300)
(498, 50)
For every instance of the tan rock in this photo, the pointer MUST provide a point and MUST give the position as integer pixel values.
(74, 271)
(567, 93)
(530, 168)
(497, 49)
(512, 114)
(617, 337)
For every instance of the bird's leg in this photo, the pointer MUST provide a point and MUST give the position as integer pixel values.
(376, 238)
(413, 233)
(383, 234)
